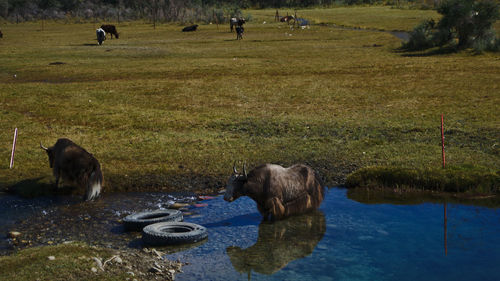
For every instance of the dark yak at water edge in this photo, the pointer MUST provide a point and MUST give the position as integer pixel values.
(75, 166)
(279, 192)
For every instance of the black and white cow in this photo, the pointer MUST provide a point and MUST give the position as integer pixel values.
(101, 35)
(236, 22)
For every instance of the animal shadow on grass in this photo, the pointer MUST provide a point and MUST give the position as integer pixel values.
(35, 187)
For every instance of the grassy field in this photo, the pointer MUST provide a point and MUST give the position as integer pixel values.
(166, 110)
(369, 17)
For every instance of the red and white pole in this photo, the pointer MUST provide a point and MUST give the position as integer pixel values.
(13, 149)
(442, 139)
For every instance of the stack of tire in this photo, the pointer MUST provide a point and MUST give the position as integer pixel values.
(164, 227)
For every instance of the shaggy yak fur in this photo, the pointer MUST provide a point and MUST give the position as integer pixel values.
(110, 29)
(75, 166)
(279, 192)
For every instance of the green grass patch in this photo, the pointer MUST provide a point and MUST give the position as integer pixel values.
(166, 110)
(462, 179)
(71, 262)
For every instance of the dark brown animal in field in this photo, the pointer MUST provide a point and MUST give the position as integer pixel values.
(279, 192)
(287, 19)
(75, 166)
(190, 28)
(1, 34)
(238, 22)
(111, 29)
(239, 32)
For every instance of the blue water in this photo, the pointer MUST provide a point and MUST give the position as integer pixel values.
(345, 240)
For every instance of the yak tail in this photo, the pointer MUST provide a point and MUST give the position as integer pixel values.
(94, 184)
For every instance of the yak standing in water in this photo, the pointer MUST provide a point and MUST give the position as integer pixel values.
(75, 165)
(279, 192)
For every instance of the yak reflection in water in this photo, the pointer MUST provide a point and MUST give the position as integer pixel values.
(279, 243)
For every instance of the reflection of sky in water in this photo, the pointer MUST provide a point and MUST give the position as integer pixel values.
(361, 242)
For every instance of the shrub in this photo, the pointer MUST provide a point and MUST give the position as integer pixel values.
(421, 37)
(469, 21)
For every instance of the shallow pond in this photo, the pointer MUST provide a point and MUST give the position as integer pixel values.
(344, 240)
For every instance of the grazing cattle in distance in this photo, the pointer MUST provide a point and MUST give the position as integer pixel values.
(190, 28)
(279, 192)
(236, 22)
(111, 29)
(239, 32)
(75, 166)
(101, 35)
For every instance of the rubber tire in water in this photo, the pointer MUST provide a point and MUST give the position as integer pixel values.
(173, 233)
(139, 220)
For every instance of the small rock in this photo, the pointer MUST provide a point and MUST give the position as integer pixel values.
(131, 273)
(94, 269)
(155, 270)
(98, 261)
(118, 259)
(157, 253)
(178, 205)
(51, 258)
(14, 234)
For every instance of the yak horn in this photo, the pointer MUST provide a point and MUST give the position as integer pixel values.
(245, 169)
(43, 147)
(234, 168)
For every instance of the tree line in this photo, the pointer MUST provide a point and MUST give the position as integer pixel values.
(156, 10)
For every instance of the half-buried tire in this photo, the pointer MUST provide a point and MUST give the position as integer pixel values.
(137, 221)
(173, 233)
